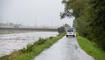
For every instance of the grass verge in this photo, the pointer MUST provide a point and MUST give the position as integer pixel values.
(32, 50)
(90, 48)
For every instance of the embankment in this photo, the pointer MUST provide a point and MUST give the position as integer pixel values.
(32, 50)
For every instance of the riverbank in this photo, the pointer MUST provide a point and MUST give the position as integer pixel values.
(91, 48)
(32, 50)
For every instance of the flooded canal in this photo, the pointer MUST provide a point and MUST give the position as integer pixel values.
(12, 42)
(64, 49)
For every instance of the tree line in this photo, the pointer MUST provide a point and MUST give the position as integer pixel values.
(89, 18)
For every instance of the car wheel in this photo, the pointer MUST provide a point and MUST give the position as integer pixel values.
(73, 35)
(66, 35)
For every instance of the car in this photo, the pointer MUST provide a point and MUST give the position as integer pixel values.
(70, 31)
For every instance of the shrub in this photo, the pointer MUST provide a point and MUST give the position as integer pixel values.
(40, 41)
(51, 37)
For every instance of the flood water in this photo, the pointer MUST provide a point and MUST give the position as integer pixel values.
(64, 49)
(12, 42)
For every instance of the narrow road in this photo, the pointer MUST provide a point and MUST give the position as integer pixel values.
(13, 42)
(64, 49)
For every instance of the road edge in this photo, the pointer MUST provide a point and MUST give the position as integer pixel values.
(90, 48)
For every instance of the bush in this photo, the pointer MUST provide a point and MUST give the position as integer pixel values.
(40, 41)
(51, 37)
(23, 50)
(61, 30)
(29, 48)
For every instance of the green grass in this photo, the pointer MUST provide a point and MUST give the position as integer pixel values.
(32, 50)
(90, 48)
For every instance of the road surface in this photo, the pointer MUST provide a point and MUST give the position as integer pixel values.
(64, 49)
(12, 42)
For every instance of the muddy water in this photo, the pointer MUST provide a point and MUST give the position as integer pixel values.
(64, 49)
(12, 42)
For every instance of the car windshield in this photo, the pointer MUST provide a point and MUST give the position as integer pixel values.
(70, 30)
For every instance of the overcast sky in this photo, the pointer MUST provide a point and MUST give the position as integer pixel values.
(33, 12)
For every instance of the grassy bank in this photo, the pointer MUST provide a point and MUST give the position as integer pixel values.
(91, 49)
(32, 50)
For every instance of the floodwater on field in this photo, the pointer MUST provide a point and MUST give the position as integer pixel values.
(64, 49)
(16, 41)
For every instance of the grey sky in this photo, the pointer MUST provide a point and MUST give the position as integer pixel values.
(33, 12)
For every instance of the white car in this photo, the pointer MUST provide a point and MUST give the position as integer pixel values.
(70, 32)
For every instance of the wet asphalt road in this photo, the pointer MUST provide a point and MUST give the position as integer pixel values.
(64, 49)
(13, 42)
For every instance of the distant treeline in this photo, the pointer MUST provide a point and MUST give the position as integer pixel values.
(61, 29)
(89, 18)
